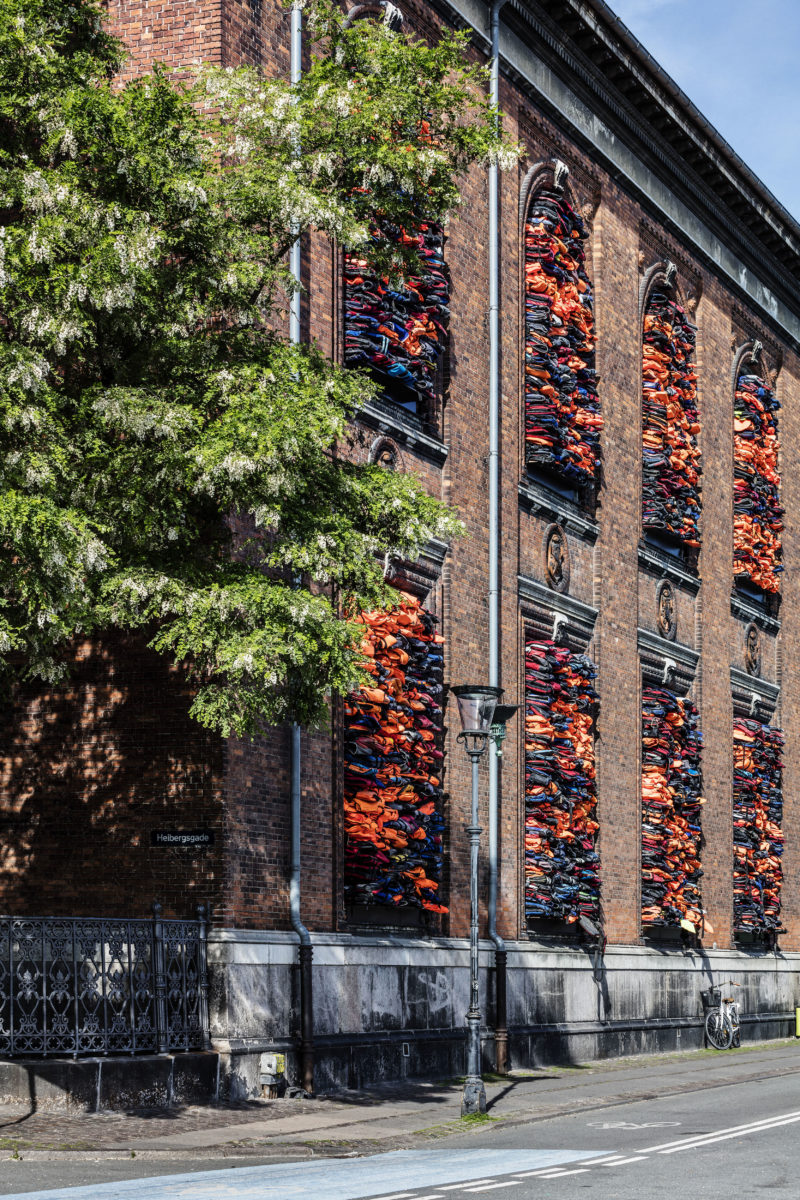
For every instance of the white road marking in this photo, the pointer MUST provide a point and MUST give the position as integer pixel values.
(489, 1187)
(399, 1195)
(622, 1161)
(604, 1162)
(453, 1187)
(732, 1130)
(725, 1137)
(561, 1174)
(533, 1174)
(629, 1124)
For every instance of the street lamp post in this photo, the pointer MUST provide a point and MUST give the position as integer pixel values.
(476, 707)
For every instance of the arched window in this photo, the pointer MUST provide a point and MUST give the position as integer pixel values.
(393, 760)
(393, 725)
(671, 811)
(400, 332)
(757, 832)
(757, 510)
(670, 419)
(562, 409)
(562, 876)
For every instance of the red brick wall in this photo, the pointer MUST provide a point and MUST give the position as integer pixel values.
(116, 751)
(618, 682)
(180, 33)
(256, 818)
(173, 32)
(88, 771)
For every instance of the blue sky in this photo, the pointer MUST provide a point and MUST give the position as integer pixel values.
(739, 62)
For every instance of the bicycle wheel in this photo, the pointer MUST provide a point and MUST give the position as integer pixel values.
(736, 1039)
(719, 1031)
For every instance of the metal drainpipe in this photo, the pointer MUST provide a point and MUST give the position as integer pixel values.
(305, 949)
(500, 953)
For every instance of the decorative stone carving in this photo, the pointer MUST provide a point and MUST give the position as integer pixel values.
(384, 453)
(588, 211)
(560, 175)
(666, 610)
(560, 630)
(753, 697)
(752, 649)
(556, 558)
(667, 664)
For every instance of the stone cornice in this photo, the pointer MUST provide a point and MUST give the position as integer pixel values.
(667, 664)
(555, 615)
(405, 433)
(578, 64)
(676, 123)
(665, 567)
(746, 611)
(753, 697)
(543, 502)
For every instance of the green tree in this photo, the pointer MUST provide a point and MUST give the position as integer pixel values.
(168, 461)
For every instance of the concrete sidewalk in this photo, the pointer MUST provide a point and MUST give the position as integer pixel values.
(388, 1117)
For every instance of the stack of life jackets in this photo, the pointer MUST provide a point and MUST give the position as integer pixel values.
(757, 510)
(393, 764)
(562, 410)
(757, 833)
(670, 423)
(671, 807)
(400, 333)
(562, 875)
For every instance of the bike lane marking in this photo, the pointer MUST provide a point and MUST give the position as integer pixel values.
(732, 1130)
(764, 1127)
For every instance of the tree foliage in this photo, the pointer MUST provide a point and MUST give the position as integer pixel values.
(168, 462)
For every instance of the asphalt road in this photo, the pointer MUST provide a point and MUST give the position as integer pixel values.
(737, 1140)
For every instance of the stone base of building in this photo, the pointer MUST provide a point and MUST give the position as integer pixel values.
(389, 1008)
(98, 1084)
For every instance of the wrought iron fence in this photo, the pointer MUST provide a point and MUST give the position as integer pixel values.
(86, 985)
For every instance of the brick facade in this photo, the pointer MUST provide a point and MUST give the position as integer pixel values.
(89, 771)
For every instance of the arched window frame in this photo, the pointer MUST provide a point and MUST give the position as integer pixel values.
(549, 175)
(429, 415)
(546, 617)
(752, 351)
(662, 275)
(380, 8)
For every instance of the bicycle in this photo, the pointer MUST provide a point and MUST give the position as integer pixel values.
(722, 1017)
